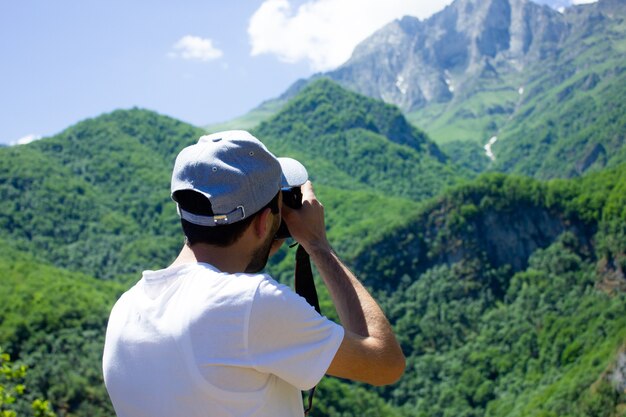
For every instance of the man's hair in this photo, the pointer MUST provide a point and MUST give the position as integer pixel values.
(221, 235)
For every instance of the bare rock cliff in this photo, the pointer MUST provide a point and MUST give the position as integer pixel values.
(411, 62)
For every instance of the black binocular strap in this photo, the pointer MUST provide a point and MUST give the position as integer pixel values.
(305, 287)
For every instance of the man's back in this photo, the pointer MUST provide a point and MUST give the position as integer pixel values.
(193, 341)
(190, 340)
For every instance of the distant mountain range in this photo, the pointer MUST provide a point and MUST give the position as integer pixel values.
(414, 63)
(471, 72)
(500, 75)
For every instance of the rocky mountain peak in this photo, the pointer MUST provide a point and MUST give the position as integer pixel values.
(411, 62)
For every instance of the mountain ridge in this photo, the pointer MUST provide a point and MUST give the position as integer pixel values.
(453, 46)
(109, 178)
(472, 76)
(326, 124)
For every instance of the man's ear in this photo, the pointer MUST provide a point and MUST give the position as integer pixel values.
(262, 223)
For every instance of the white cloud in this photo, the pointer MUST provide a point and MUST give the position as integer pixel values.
(561, 5)
(195, 48)
(325, 32)
(25, 140)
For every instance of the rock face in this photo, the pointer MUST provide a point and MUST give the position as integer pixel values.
(510, 237)
(476, 228)
(618, 375)
(411, 63)
(500, 238)
(547, 84)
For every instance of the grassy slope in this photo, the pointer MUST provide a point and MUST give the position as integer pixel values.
(572, 120)
(249, 120)
(473, 118)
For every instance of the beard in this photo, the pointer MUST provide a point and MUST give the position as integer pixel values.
(261, 254)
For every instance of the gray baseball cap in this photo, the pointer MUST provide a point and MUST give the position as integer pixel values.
(236, 172)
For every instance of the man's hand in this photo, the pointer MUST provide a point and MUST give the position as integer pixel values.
(306, 224)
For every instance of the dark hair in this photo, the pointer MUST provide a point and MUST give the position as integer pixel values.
(222, 235)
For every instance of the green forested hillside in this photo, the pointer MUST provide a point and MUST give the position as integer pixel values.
(571, 118)
(53, 320)
(95, 197)
(349, 140)
(99, 201)
(508, 296)
(507, 293)
(575, 127)
(546, 346)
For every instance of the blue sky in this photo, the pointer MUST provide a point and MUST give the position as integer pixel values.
(64, 61)
(201, 61)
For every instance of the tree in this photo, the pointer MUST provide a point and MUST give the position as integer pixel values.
(11, 388)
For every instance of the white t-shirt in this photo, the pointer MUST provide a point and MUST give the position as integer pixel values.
(193, 341)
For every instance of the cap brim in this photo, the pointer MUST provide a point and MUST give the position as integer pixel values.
(294, 173)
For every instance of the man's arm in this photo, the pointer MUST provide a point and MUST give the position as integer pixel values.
(369, 351)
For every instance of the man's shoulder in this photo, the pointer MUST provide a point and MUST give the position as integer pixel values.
(241, 279)
(236, 288)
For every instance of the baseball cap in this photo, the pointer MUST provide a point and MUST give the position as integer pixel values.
(235, 172)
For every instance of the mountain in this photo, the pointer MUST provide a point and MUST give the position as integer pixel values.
(95, 197)
(349, 140)
(501, 220)
(477, 70)
(504, 85)
(413, 63)
(99, 198)
(573, 119)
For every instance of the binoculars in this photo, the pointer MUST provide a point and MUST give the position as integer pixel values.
(292, 198)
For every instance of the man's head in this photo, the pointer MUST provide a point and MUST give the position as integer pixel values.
(224, 180)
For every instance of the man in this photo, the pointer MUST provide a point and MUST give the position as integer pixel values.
(210, 335)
